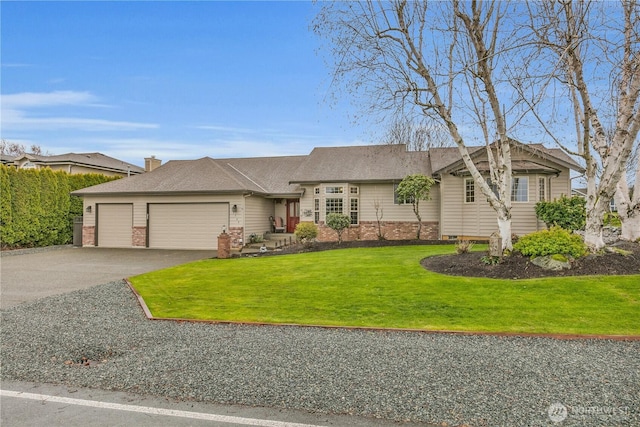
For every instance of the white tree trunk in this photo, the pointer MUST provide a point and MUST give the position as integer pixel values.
(504, 228)
(629, 207)
(593, 227)
(631, 228)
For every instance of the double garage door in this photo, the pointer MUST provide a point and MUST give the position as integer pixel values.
(169, 225)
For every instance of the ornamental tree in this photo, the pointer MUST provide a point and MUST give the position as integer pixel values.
(338, 222)
(412, 189)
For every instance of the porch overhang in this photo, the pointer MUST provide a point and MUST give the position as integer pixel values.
(517, 166)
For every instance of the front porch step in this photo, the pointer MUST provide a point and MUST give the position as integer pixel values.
(274, 241)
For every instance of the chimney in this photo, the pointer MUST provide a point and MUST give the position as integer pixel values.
(151, 163)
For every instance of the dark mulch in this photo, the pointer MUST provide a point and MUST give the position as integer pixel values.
(517, 266)
(512, 267)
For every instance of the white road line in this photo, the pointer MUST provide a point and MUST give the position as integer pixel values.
(152, 411)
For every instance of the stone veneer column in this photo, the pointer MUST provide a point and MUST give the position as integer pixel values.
(224, 246)
(88, 235)
(236, 234)
(139, 237)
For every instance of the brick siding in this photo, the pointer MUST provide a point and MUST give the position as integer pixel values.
(390, 230)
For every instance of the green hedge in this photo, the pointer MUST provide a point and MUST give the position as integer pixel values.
(36, 208)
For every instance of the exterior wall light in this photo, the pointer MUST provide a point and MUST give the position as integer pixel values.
(234, 208)
(88, 210)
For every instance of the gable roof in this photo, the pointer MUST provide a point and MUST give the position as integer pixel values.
(282, 176)
(6, 160)
(267, 176)
(90, 160)
(365, 163)
(449, 160)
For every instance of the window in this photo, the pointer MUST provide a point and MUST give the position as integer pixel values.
(334, 190)
(316, 190)
(353, 190)
(333, 205)
(353, 212)
(494, 187)
(316, 211)
(28, 165)
(520, 189)
(397, 200)
(542, 189)
(469, 190)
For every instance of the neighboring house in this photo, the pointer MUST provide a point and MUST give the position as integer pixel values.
(186, 204)
(75, 163)
(6, 160)
(582, 192)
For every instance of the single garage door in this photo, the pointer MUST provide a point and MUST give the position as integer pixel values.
(186, 225)
(115, 224)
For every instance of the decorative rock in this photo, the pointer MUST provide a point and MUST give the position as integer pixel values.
(495, 245)
(548, 263)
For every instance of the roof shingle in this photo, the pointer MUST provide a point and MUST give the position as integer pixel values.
(361, 164)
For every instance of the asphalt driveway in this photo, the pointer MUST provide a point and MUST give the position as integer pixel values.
(29, 276)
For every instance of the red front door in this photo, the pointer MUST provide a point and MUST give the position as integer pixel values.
(293, 214)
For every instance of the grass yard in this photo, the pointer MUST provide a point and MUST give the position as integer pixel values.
(387, 287)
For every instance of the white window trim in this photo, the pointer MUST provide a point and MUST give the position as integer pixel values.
(494, 188)
(357, 211)
(396, 200)
(544, 188)
(512, 194)
(340, 187)
(464, 195)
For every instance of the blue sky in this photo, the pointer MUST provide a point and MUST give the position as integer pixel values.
(178, 80)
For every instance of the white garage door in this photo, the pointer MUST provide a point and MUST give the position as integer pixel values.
(187, 225)
(115, 223)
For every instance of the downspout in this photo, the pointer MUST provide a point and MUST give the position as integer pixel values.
(244, 216)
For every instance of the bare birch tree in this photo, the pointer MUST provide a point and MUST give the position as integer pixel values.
(443, 59)
(418, 135)
(591, 51)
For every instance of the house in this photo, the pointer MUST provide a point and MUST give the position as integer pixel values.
(75, 163)
(186, 204)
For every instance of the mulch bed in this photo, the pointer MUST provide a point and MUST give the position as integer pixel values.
(515, 266)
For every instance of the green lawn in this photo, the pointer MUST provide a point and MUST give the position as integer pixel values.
(387, 287)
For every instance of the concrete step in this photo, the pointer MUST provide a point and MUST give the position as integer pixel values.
(275, 241)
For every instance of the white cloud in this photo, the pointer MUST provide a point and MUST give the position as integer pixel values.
(93, 125)
(298, 138)
(228, 129)
(46, 99)
(17, 113)
(134, 150)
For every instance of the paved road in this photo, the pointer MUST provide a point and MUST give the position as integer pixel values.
(54, 405)
(31, 276)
